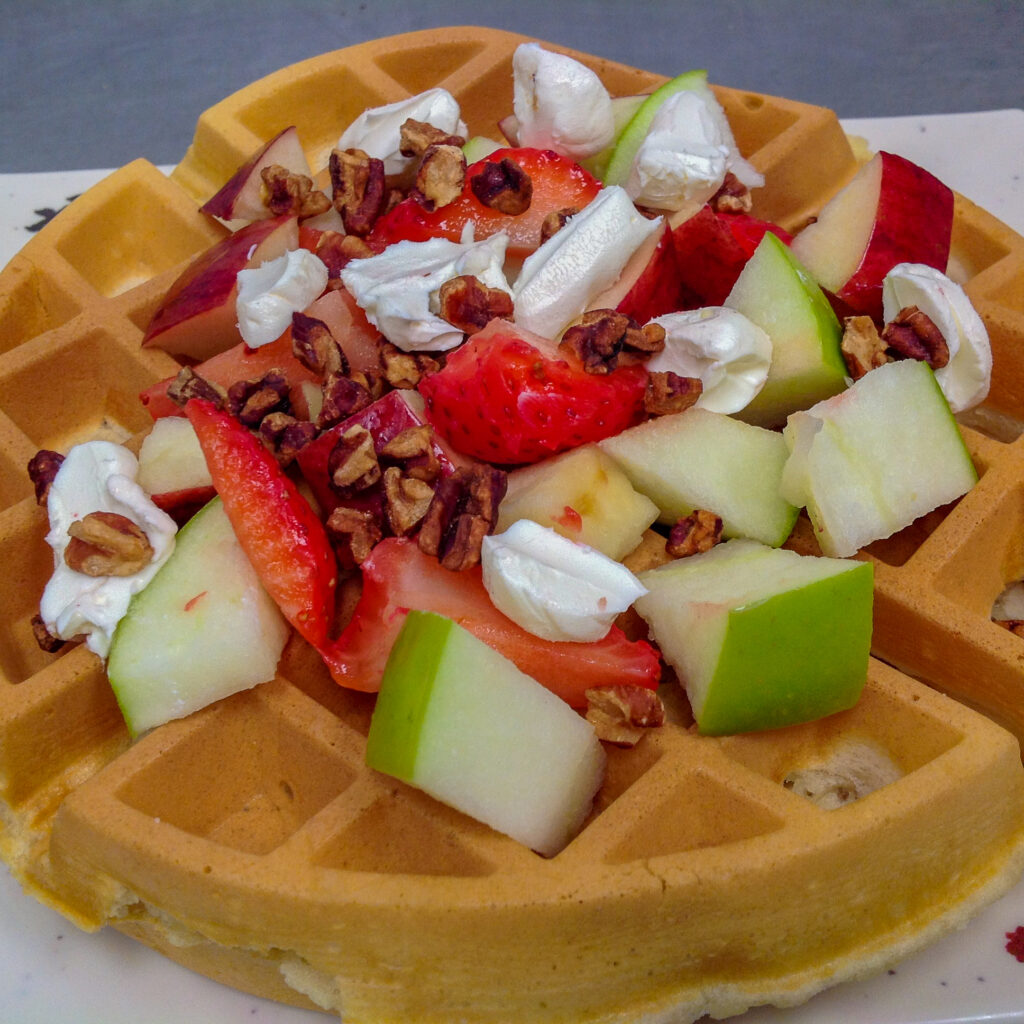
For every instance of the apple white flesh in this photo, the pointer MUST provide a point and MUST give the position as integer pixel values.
(177, 649)
(870, 461)
(761, 637)
(458, 720)
(172, 468)
(776, 293)
(700, 459)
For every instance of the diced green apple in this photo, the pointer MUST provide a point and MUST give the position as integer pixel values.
(776, 293)
(871, 460)
(201, 630)
(761, 637)
(700, 459)
(458, 720)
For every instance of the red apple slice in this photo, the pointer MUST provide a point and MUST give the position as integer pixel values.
(197, 318)
(172, 469)
(241, 197)
(892, 212)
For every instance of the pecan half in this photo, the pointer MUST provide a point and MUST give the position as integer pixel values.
(463, 511)
(406, 500)
(913, 335)
(441, 175)
(284, 192)
(42, 468)
(315, 347)
(416, 137)
(359, 189)
(343, 396)
(605, 339)
(353, 533)
(470, 306)
(250, 400)
(699, 531)
(413, 450)
(352, 464)
(188, 384)
(622, 714)
(107, 544)
(503, 186)
(668, 393)
(862, 346)
(286, 436)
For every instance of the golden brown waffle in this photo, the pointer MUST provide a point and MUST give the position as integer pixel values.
(249, 841)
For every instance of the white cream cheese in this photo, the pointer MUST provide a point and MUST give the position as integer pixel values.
(554, 587)
(580, 261)
(398, 288)
(966, 377)
(726, 350)
(378, 131)
(559, 103)
(98, 476)
(269, 294)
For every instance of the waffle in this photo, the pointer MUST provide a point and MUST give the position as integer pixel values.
(250, 843)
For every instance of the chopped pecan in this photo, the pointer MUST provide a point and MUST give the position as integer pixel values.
(406, 500)
(343, 396)
(699, 531)
(732, 197)
(286, 435)
(405, 369)
(862, 346)
(337, 250)
(470, 306)
(413, 450)
(284, 192)
(605, 339)
(1014, 626)
(188, 384)
(503, 186)
(353, 533)
(441, 175)
(250, 400)
(43, 637)
(359, 188)
(107, 544)
(555, 221)
(622, 714)
(315, 347)
(668, 393)
(416, 137)
(42, 468)
(463, 511)
(913, 335)
(352, 464)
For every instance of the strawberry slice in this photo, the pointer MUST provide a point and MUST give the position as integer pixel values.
(558, 184)
(398, 577)
(505, 397)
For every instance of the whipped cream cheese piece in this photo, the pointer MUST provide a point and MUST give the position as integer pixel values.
(580, 261)
(559, 103)
(269, 294)
(377, 131)
(98, 476)
(726, 350)
(398, 288)
(966, 377)
(554, 587)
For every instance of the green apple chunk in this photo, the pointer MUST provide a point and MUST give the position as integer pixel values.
(583, 495)
(762, 637)
(202, 629)
(778, 294)
(868, 462)
(458, 720)
(699, 459)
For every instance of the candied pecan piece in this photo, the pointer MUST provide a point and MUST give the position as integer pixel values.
(250, 400)
(359, 188)
(668, 393)
(441, 175)
(462, 512)
(286, 435)
(622, 714)
(416, 137)
(315, 346)
(913, 335)
(699, 531)
(353, 533)
(405, 369)
(862, 346)
(406, 500)
(503, 186)
(42, 468)
(352, 464)
(188, 384)
(470, 306)
(555, 221)
(1014, 626)
(343, 396)
(107, 544)
(337, 250)
(284, 192)
(413, 450)
(732, 196)
(605, 339)
(43, 637)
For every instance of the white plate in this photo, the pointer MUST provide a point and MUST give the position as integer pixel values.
(53, 972)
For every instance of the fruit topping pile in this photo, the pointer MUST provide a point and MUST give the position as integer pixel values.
(554, 401)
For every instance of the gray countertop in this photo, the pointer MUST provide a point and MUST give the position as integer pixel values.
(99, 84)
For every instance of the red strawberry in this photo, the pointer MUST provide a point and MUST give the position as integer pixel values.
(505, 397)
(557, 182)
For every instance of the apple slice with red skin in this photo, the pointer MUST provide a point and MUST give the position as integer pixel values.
(241, 198)
(197, 317)
(891, 212)
(173, 470)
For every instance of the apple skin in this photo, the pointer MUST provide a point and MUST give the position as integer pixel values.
(197, 317)
(240, 197)
(892, 212)
(762, 638)
(458, 720)
(173, 470)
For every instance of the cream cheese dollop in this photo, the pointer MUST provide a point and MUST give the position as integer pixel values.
(559, 103)
(553, 587)
(269, 294)
(398, 288)
(98, 476)
(728, 352)
(965, 379)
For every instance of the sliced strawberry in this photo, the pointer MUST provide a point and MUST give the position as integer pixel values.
(558, 184)
(504, 397)
(398, 577)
